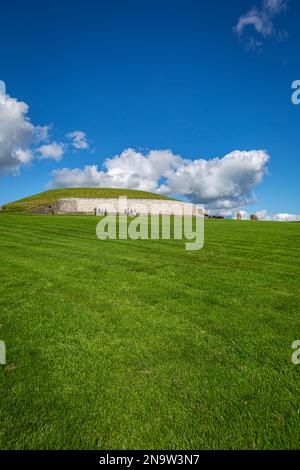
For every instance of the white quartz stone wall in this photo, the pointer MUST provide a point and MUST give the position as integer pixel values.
(123, 205)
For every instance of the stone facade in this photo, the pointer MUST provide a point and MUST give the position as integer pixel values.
(47, 210)
(101, 206)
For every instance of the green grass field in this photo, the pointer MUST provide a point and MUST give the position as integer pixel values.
(143, 345)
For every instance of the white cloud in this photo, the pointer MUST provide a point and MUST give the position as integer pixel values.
(256, 18)
(21, 141)
(261, 20)
(24, 156)
(16, 135)
(42, 134)
(262, 214)
(53, 151)
(280, 217)
(221, 183)
(79, 140)
(275, 7)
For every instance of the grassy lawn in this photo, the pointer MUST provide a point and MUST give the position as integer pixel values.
(141, 344)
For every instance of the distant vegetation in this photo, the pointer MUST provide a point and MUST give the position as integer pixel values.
(49, 197)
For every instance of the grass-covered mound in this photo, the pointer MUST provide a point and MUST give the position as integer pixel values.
(49, 197)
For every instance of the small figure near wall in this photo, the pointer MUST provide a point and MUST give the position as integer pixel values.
(2, 353)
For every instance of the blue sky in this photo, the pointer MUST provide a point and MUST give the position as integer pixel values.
(155, 75)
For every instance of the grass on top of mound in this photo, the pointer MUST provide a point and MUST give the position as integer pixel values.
(49, 197)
